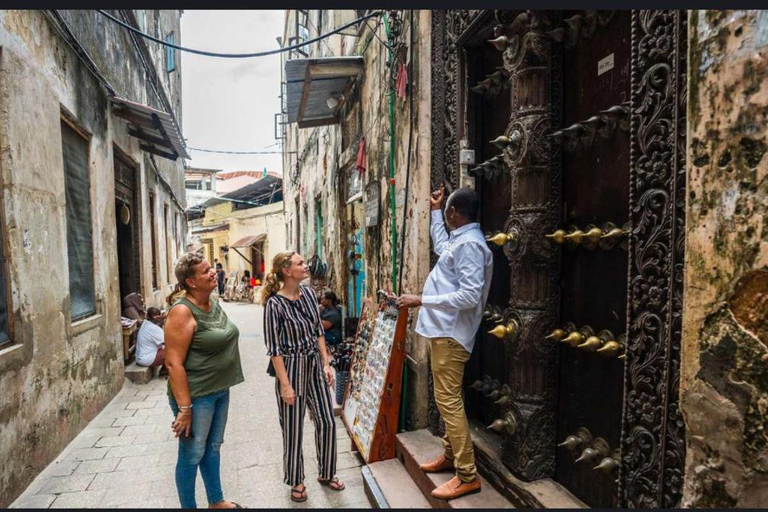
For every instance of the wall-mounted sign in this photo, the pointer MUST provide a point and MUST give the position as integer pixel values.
(354, 182)
(605, 64)
(372, 199)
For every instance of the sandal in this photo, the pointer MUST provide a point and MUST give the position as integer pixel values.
(334, 483)
(299, 495)
(237, 505)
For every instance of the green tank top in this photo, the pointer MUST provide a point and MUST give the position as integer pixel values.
(213, 359)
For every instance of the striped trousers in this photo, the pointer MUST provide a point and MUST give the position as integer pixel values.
(308, 381)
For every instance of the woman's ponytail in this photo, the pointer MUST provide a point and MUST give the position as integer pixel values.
(270, 287)
(273, 281)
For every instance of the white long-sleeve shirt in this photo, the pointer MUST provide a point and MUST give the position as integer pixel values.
(456, 290)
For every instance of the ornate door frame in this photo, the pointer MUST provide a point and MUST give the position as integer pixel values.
(653, 438)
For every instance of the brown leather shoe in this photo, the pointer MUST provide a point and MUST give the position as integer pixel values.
(455, 488)
(437, 465)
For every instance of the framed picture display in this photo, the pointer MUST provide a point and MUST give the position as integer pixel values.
(372, 400)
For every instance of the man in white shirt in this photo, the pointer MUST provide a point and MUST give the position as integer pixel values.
(451, 311)
(150, 340)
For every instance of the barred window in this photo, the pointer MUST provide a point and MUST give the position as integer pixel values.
(78, 218)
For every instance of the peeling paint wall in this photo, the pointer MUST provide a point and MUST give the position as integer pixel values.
(325, 154)
(57, 375)
(724, 382)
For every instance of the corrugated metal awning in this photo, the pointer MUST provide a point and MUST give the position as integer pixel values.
(249, 241)
(158, 130)
(311, 82)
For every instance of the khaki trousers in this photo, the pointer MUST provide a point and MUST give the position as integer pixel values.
(448, 359)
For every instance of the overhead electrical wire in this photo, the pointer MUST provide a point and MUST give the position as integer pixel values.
(238, 55)
(223, 152)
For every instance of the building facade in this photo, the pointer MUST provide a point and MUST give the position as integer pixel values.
(92, 208)
(243, 228)
(199, 185)
(357, 187)
(619, 157)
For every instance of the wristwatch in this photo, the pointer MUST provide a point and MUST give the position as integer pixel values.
(183, 407)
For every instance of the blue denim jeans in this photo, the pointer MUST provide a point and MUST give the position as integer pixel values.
(202, 448)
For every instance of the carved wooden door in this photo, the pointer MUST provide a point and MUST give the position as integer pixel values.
(579, 130)
(594, 144)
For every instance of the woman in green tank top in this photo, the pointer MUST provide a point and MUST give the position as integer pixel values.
(203, 361)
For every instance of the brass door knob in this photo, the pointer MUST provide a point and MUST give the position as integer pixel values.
(502, 239)
(592, 237)
(574, 339)
(571, 442)
(504, 330)
(595, 451)
(611, 349)
(607, 465)
(613, 235)
(558, 236)
(501, 141)
(557, 335)
(476, 385)
(574, 236)
(500, 43)
(591, 344)
(508, 423)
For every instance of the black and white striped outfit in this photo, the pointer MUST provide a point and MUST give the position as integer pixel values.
(291, 329)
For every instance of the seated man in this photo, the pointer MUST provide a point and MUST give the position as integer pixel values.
(133, 307)
(150, 341)
(330, 315)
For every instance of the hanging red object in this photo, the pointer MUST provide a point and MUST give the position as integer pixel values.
(361, 156)
(402, 80)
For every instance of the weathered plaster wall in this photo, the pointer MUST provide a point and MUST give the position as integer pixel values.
(57, 375)
(325, 155)
(724, 386)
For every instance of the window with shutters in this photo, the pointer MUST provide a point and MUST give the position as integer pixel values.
(153, 234)
(78, 221)
(170, 54)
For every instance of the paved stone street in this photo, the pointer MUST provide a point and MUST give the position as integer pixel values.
(126, 456)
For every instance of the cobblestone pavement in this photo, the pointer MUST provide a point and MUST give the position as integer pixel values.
(125, 457)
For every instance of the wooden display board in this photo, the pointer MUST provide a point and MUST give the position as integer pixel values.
(372, 400)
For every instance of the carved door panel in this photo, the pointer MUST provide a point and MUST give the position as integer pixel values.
(575, 91)
(595, 163)
(488, 111)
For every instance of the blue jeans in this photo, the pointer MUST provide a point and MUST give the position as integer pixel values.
(202, 448)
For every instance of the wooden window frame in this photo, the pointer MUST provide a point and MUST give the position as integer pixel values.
(168, 244)
(170, 54)
(69, 119)
(153, 236)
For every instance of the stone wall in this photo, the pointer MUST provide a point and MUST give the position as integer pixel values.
(325, 157)
(57, 375)
(724, 383)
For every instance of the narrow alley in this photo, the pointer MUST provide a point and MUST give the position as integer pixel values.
(125, 457)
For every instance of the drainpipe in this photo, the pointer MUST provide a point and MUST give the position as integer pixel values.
(392, 162)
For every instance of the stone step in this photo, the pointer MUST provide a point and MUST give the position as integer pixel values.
(138, 374)
(388, 485)
(420, 446)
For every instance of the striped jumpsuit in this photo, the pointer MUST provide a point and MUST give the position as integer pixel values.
(291, 330)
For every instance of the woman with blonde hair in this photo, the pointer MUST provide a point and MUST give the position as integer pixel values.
(203, 361)
(295, 341)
